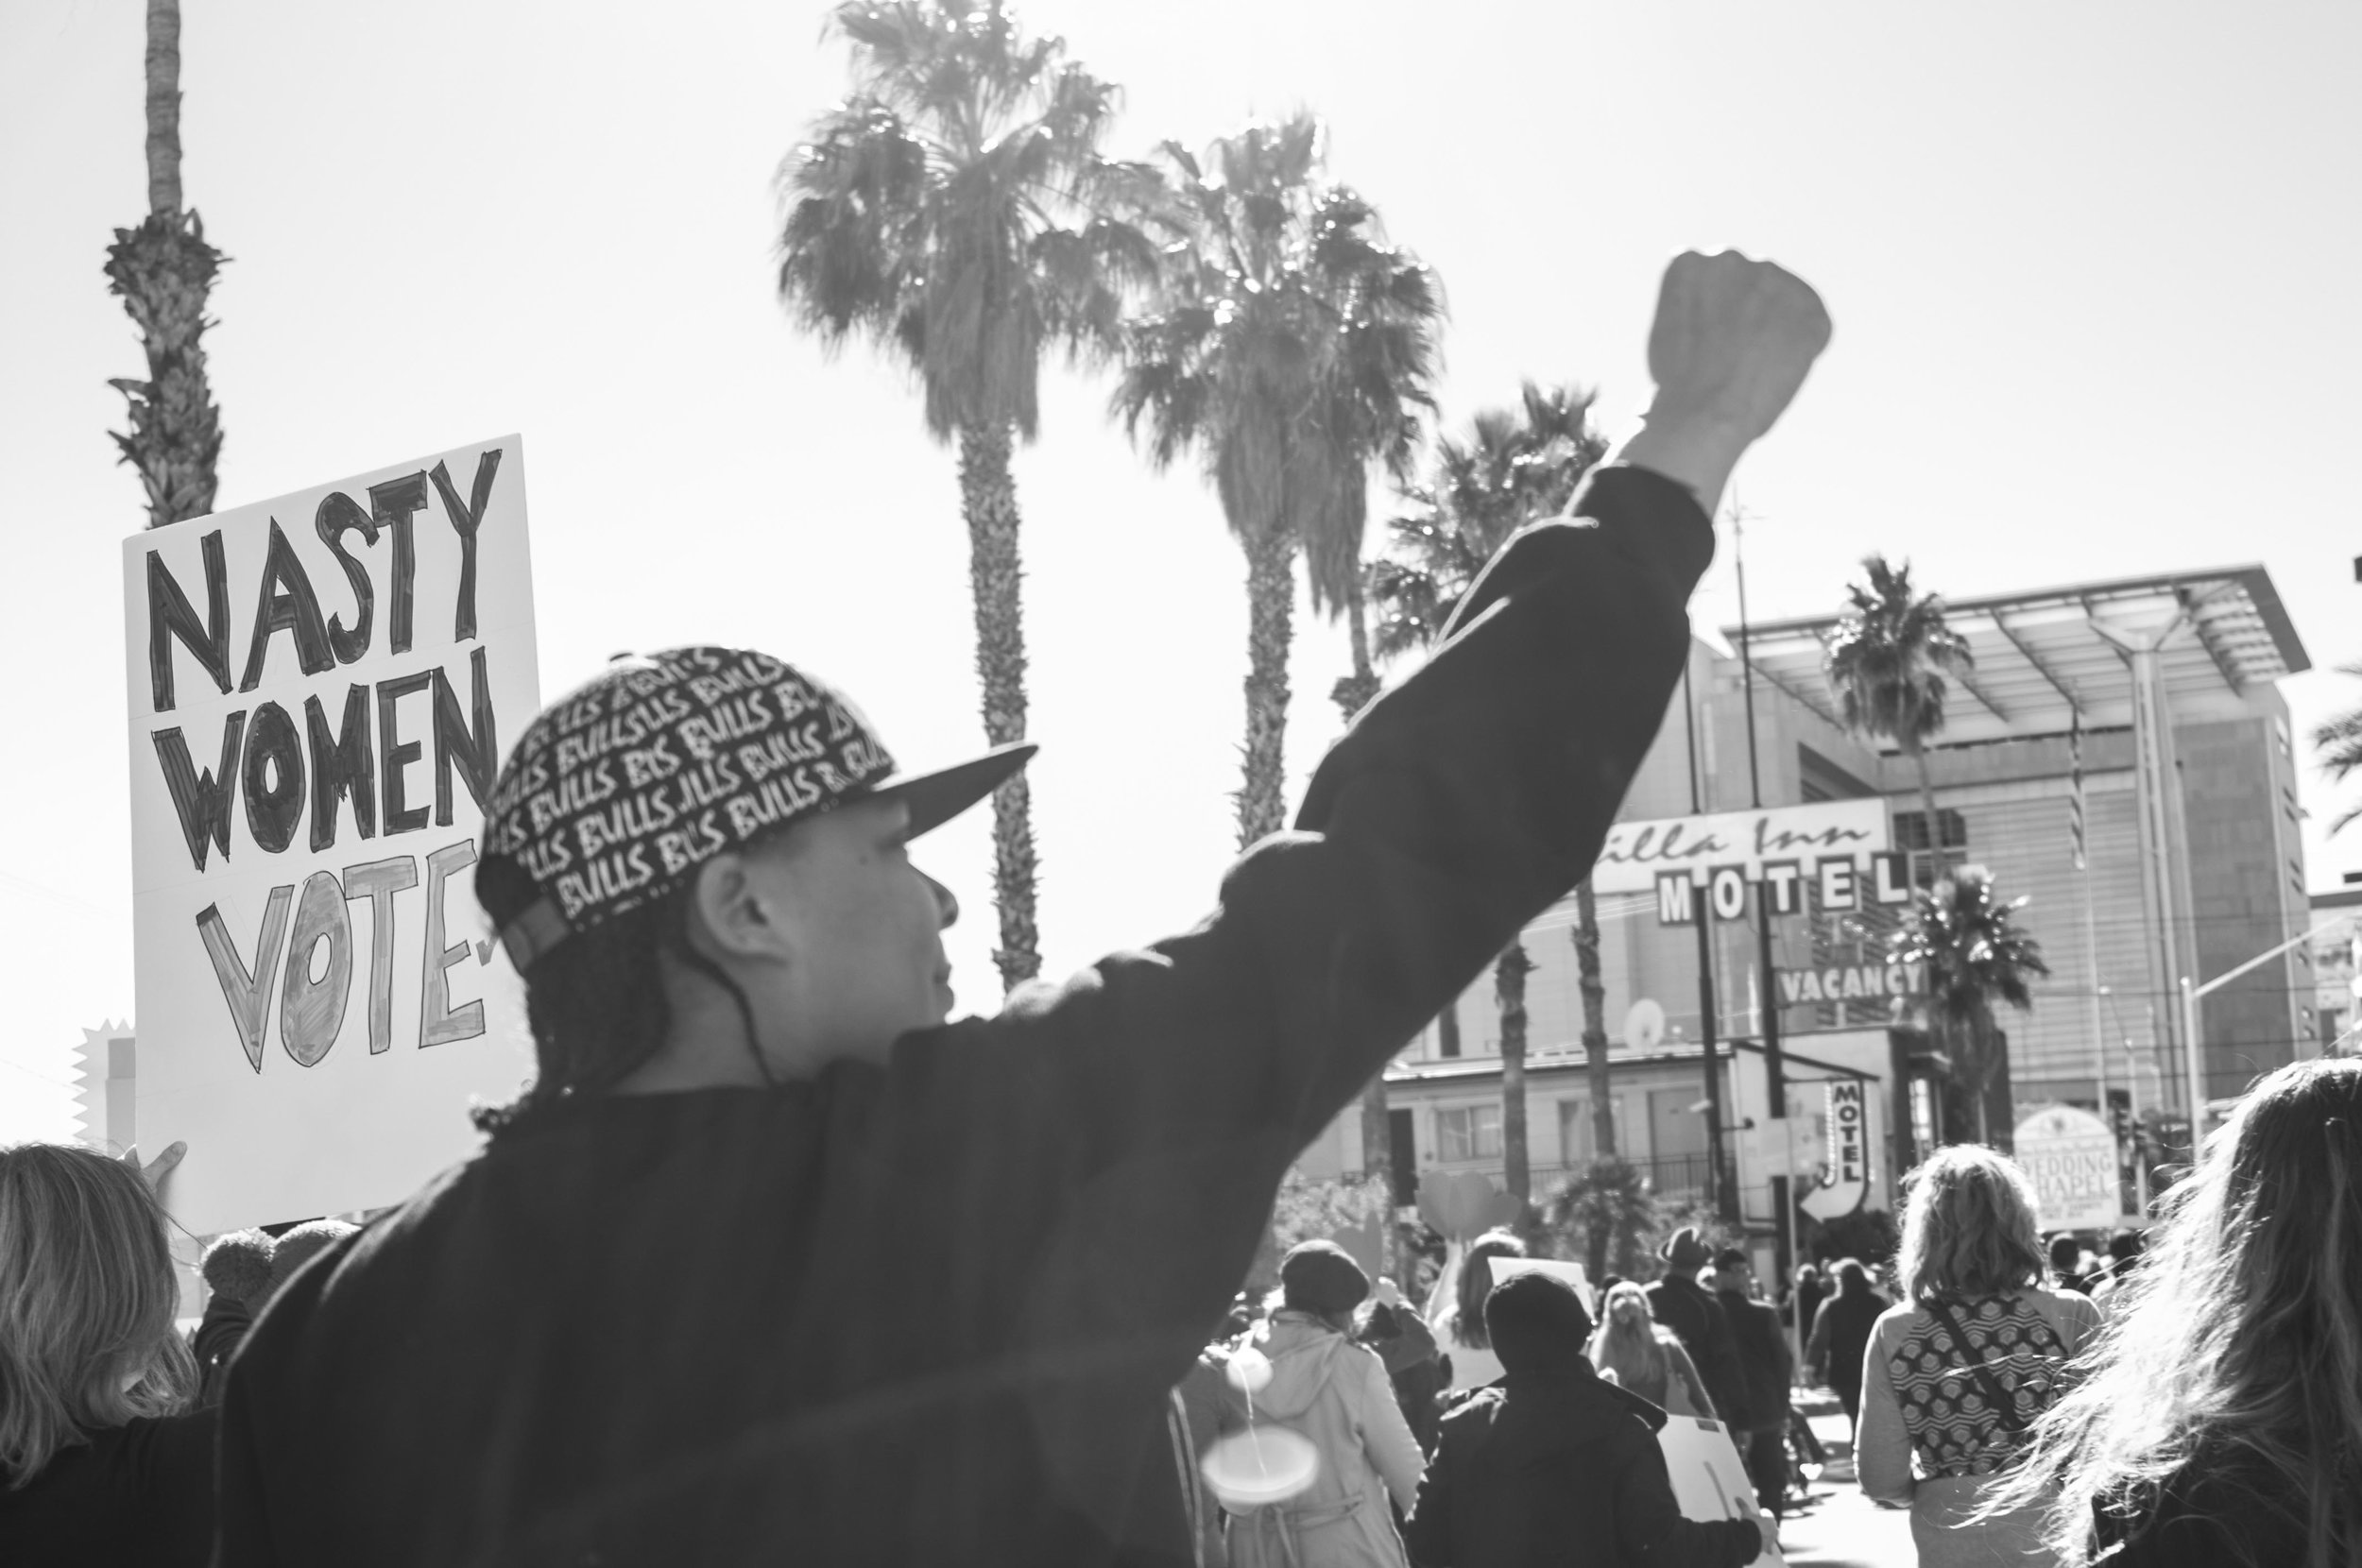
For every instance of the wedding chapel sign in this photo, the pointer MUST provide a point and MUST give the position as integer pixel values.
(321, 689)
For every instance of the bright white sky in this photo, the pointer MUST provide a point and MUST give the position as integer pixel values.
(2092, 269)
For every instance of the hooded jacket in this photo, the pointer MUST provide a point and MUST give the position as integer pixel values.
(1336, 1395)
(1561, 1469)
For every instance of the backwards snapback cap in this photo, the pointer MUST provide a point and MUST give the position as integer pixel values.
(616, 794)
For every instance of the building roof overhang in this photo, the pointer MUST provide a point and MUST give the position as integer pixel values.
(2045, 658)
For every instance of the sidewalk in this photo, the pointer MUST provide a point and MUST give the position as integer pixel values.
(1839, 1527)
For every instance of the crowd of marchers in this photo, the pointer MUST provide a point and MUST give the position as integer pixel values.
(2183, 1410)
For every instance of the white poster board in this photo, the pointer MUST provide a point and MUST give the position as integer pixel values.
(320, 686)
(1710, 1483)
(2071, 1157)
(1572, 1273)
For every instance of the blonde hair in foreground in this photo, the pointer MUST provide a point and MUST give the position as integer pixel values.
(86, 1297)
(1968, 1228)
(2237, 1342)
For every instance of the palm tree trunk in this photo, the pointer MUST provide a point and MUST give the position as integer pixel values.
(1594, 994)
(995, 581)
(164, 106)
(1351, 694)
(1509, 980)
(1447, 1028)
(163, 271)
(1927, 804)
(1271, 596)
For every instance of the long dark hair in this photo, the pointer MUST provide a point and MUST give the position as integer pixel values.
(2237, 1343)
(1476, 1283)
(595, 1001)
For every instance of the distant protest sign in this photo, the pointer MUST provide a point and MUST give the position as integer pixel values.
(1710, 1483)
(2071, 1157)
(320, 686)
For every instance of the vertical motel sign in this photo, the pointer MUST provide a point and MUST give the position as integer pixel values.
(1840, 850)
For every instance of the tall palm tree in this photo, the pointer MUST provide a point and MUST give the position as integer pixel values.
(1886, 665)
(1514, 468)
(1975, 956)
(163, 271)
(957, 212)
(1594, 992)
(2339, 743)
(1290, 346)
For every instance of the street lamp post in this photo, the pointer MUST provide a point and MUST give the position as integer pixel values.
(2193, 994)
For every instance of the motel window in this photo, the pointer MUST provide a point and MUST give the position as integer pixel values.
(1911, 835)
(1468, 1132)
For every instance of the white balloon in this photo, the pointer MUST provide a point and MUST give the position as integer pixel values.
(1249, 1370)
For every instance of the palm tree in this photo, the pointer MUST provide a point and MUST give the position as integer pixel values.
(957, 212)
(163, 271)
(1514, 468)
(1289, 348)
(1594, 993)
(1886, 665)
(2339, 743)
(1974, 955)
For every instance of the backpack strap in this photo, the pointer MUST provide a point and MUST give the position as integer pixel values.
(2004, 1407)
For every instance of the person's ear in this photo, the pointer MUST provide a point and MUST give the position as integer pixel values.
(728, 909)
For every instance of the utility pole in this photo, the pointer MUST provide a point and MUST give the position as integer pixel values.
(1768, 1012)
(1718, 1174)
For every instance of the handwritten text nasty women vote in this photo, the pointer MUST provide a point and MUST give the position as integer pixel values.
(320, 689)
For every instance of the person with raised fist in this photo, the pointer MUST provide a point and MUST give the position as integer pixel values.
(772, 1262)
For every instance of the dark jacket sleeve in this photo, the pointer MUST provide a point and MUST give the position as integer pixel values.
(1428, 1533)
(1725, 1375)
(1122, 1135)
(251, 1520)
(1456, 808)
(1650, 1528)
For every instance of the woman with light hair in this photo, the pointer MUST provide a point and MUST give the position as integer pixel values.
(99, 1461)
(1963, 1365)
(2220, 1419)
(1455, 1312)
(1646, 1357)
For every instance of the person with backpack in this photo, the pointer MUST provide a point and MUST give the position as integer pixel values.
(1681, 1304)
(1959, 1369)
(2219, 1422)
(775, 1261)
(1554, 1466)
(1334, 1393)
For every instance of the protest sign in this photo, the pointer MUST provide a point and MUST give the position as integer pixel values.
(320, 689)
(2070, 1156)
(1572, 1273)
(1710, 1483)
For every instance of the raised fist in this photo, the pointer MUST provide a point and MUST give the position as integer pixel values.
(1731, 341)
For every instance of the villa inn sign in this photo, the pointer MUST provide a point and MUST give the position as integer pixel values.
(1840, 850)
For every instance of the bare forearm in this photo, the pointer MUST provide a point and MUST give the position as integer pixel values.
(1693, 451)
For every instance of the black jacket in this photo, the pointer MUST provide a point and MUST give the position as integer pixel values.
(1696, 1318)
(1766, 1359)
(1561, 1471)
(2220, 1511)
(140, 1494)
(932, 1311)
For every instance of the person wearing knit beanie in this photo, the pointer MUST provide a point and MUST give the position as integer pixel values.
(1321, 1277)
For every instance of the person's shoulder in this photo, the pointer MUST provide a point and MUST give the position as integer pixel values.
(1895, 1319)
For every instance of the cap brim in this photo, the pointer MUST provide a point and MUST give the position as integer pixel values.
(935, 798)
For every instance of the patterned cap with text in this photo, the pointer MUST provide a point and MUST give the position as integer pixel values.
(615, 794)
